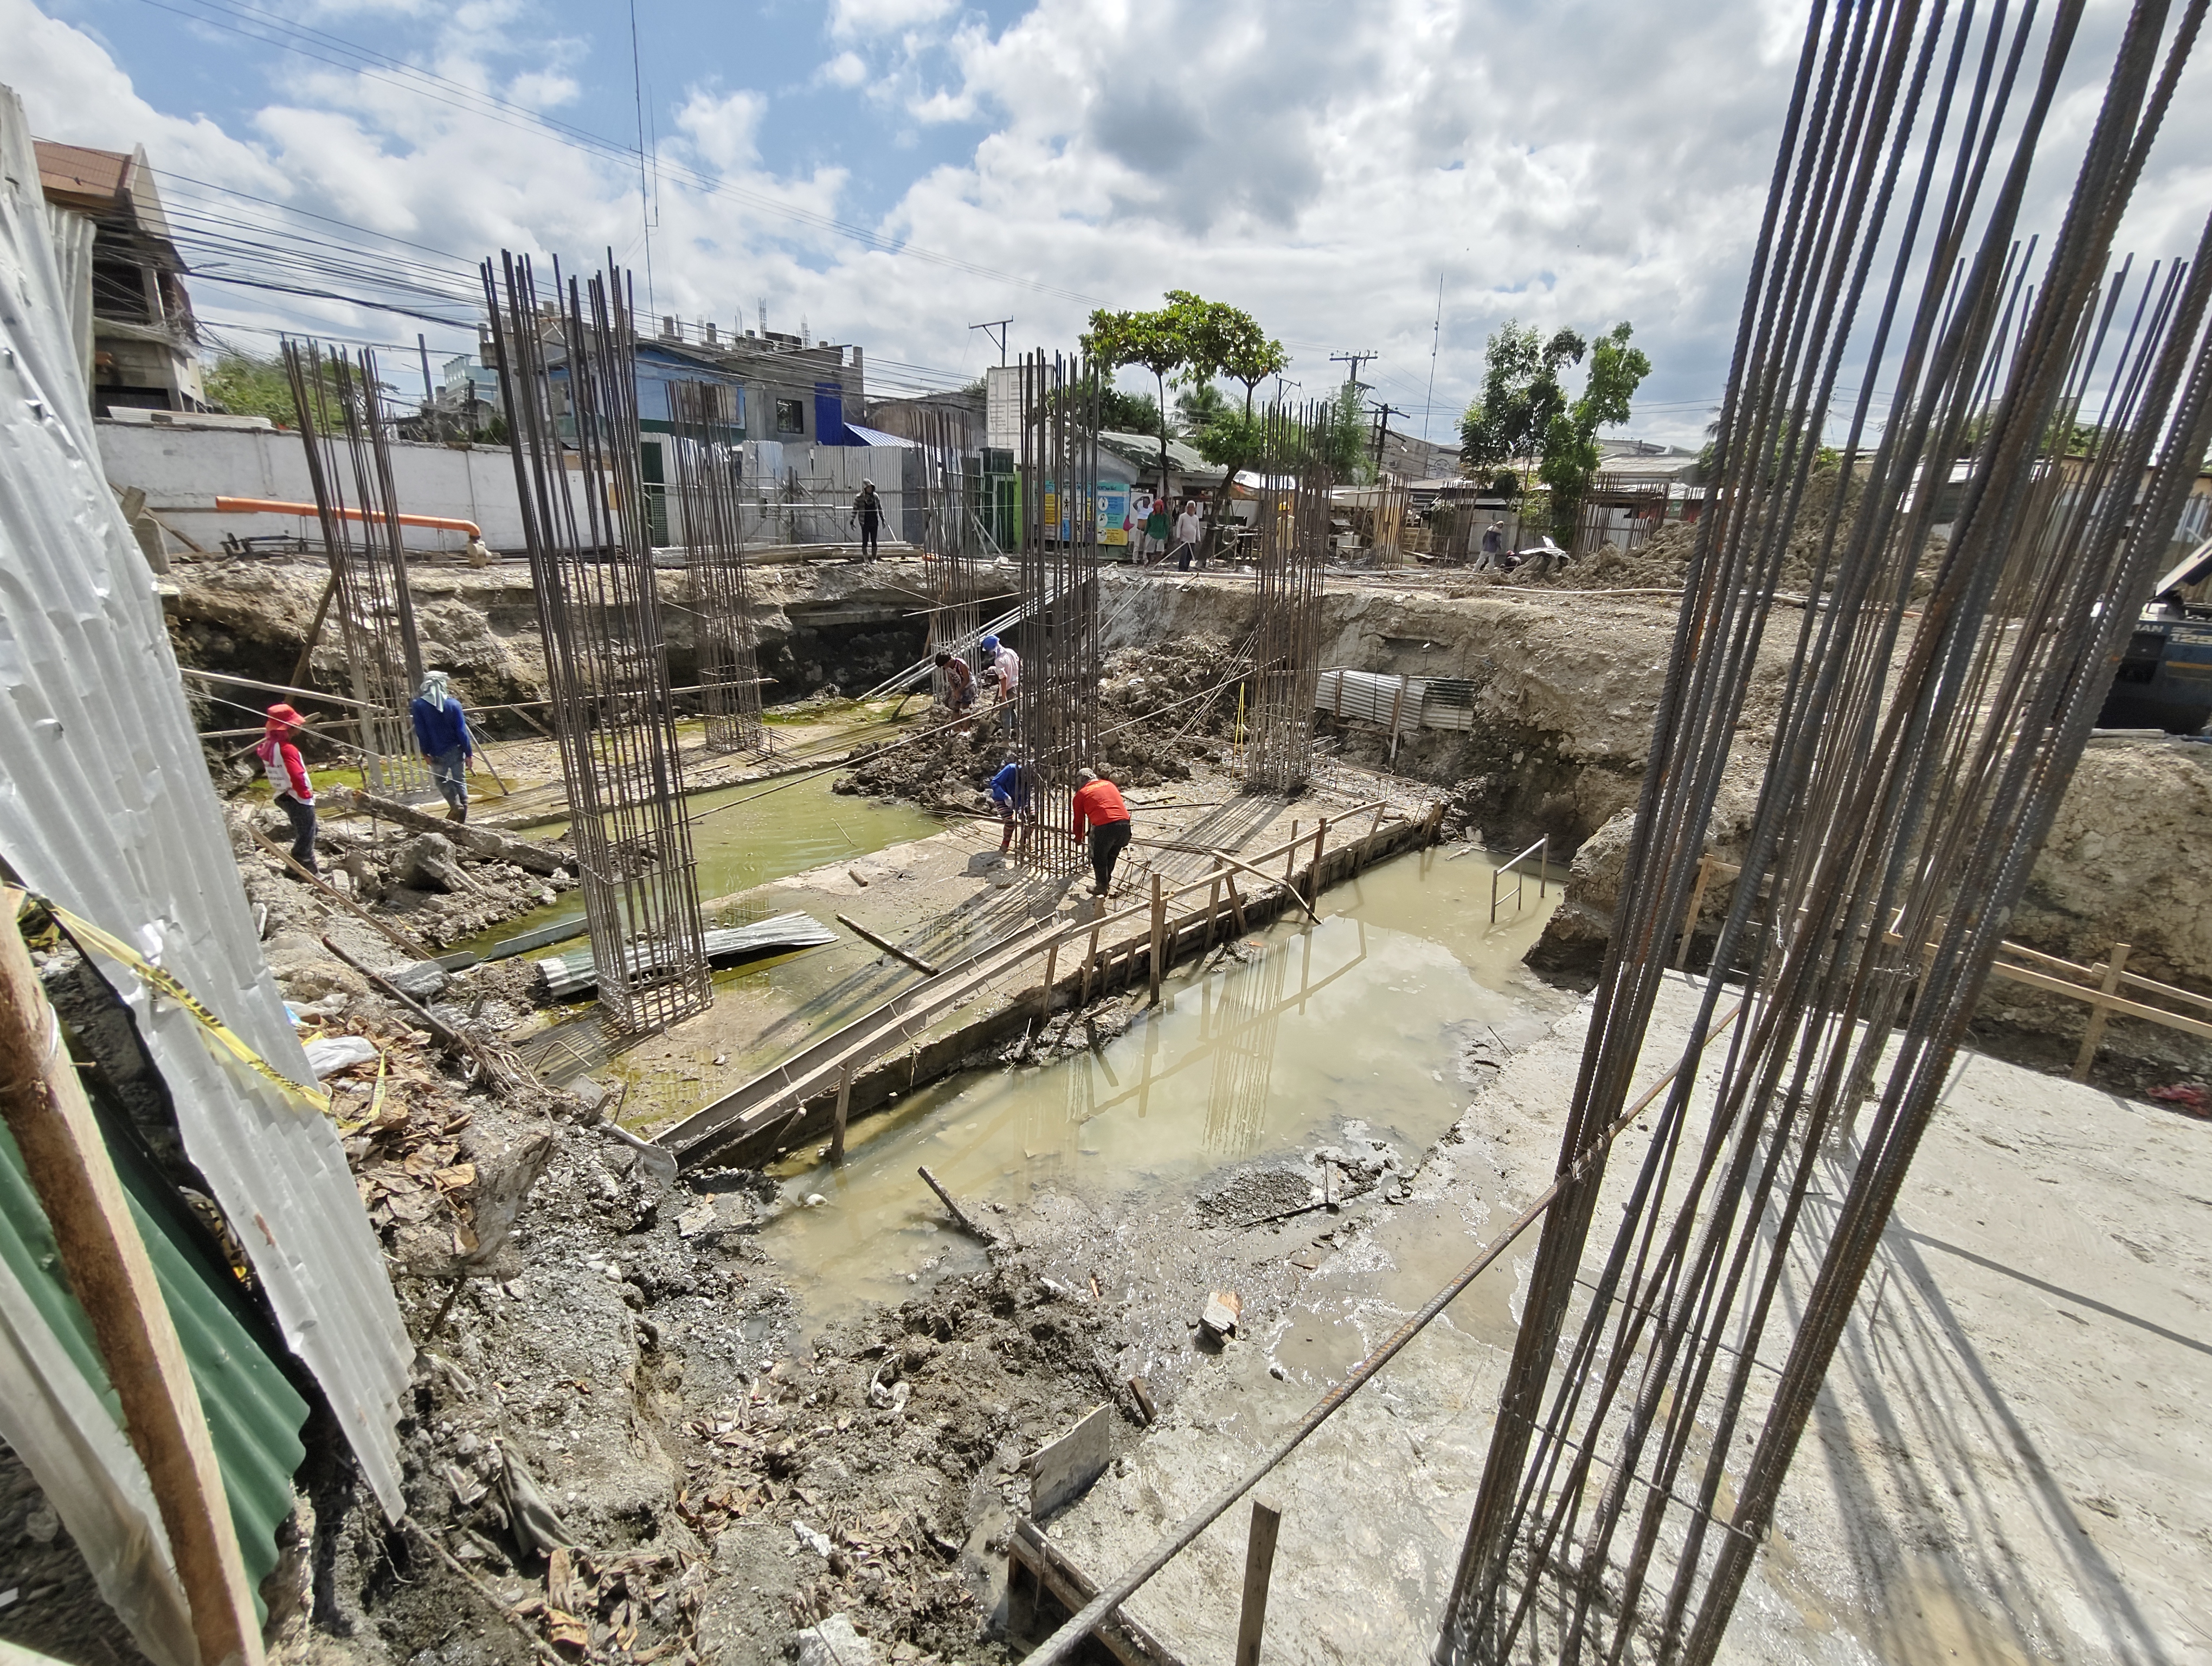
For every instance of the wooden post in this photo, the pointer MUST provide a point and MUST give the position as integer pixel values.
(1236, 904)
(2094, 1036)
(1159, 940)
(106, 1265)
(1290, 856)
(1044, 995)
(844, 1104)
(1213, 905)
(1313, 875)
(1259, 1567)
(1090, 960)
(1697, 901)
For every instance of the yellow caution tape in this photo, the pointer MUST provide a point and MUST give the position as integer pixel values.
(89, 936)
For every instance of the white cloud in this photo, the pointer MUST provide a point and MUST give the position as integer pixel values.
(1320, 164)
(850, 18)
(846, 70)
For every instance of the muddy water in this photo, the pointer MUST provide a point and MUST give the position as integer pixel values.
(1361, 1019)
(747, 835)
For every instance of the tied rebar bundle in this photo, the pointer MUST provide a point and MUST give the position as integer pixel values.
(710, 504)
(346, 437)
(1290, 544)
(1055, 709)
(569, 381)
(2046, 408)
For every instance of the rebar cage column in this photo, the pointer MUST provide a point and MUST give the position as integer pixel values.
(569, 378)
(710, 512)
(343, 433)
(1056, 706)
(1290, 547)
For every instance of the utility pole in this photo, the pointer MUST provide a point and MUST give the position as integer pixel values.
(1355, 359)
(996, 331)
(1281, 382)
(1383, 413)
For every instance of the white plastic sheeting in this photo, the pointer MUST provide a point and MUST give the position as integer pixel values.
(105, 806)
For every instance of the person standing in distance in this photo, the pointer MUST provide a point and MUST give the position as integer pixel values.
(1100, 812)
(279, 752)
(441, 730)
(867, 515)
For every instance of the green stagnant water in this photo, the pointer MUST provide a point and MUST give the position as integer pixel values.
(747, 835)
(1362, 1018)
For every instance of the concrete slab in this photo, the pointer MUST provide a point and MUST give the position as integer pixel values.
(2007, 1464)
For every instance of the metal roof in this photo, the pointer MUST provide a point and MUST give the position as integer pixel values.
(106, 806)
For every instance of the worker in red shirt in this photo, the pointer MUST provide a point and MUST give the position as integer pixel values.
(288, 780)
(1099, 809)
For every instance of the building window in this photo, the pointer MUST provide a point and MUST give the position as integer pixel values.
(790, 416)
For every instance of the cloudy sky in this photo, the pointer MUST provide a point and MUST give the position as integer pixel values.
(891, 171)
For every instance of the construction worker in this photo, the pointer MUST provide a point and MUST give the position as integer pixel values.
(1012, 796)
(279, 752)
(441, 730)
(1099, 811)
(1190, 536)
(959, 683)
(867, 515)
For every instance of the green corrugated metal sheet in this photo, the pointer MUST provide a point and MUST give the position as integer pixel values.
(253, 1415)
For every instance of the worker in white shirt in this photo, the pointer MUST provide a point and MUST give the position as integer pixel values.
(1190, 534)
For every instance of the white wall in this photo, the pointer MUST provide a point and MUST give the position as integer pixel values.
(184, 469)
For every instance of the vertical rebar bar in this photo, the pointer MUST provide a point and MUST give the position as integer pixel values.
(710, 509)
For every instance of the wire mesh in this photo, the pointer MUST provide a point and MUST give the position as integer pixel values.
(1290, 546)
(569, 378)
(709, 475)
(2049, 413)
(1056, 705)
(345, 435)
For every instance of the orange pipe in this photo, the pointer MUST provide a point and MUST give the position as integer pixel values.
(269, 506)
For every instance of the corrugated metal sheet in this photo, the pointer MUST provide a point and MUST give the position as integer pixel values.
(1426, 703)
(58, 1423)
(105, 806)
(253, 1415)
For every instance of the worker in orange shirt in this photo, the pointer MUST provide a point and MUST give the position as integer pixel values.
(1099, 810)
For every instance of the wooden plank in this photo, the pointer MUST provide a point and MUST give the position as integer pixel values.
(1127, 1641)
(887, 945)
(1259, 1567)
(1158, 942)
(2094, 1035)
(844, 1104)
(1697, 903)
(104, 1259)
(959, 1213)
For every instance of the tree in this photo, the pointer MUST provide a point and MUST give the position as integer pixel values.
(1128, 413)
(1570, 442)
(1201, 406)
(1160, 341)
(1234, 345)
(243, 384)
(1521, 394)
(1343, 436)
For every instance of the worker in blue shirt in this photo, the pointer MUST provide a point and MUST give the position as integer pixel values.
(1012, 797)
(441, 730)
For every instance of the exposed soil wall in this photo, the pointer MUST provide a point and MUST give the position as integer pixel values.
(842, 623)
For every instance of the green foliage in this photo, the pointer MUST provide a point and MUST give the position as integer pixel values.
(1520, 395)
(1343, 436)
(1189, 341)
(1198, 407)
(1128, 413)
(1570, 452)
(244, 384)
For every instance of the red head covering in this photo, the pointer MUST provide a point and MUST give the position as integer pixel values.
(282, 718)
